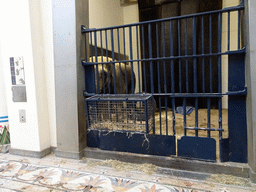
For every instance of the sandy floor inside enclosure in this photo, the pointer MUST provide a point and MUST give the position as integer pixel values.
(190, 119)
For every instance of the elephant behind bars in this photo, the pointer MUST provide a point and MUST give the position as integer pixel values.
(123, 77)
(104, 84)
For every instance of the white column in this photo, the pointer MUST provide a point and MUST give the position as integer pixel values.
(22, 35)
(3, 102)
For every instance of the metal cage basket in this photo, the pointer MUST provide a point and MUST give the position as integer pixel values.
(121, 112)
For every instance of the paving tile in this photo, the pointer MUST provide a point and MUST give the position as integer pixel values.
(32, 177)
(59, 174)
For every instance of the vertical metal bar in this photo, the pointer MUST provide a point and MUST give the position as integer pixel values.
(143, 55)
(211, 83)
(165, 81)
(158, 75)
(163, 47)
(172, 77)
(138, 63)
(91, 48)
(210, 51)
(195, 74)
(113, 56)
(102, 65)
(187, 80)
(179, 54)
(85, 42)
(166, 114)
(203, 64)
(160, 116)
(157, 55)
(228, 30)
(95, 46)
(101, 45)
(184, 115)
(108, 69)
(203, 75)
(194, 53)
(131, 58)
(126, 81)
(96, 61)
(120, 74)
(220, 73)
(119, 58)
(186, 53)
(150, 57)
(146, 113)
(208, 117)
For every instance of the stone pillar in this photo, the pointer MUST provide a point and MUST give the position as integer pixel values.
(68, 16)
(250, 41)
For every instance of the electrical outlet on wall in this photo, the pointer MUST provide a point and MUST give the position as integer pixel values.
(22, 115)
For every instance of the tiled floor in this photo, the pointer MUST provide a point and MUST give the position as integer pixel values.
(59, 174)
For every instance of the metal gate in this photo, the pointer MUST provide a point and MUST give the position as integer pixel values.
(188, 68)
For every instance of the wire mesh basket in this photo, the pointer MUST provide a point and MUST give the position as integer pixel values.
(121, 112)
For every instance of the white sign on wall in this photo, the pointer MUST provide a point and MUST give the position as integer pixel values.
(17, 70)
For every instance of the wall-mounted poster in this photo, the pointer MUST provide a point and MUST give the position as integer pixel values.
(17, 70)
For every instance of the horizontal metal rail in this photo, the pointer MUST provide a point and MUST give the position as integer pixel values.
(188, 95)
(167, 58)
(235, 8)
(203, 129)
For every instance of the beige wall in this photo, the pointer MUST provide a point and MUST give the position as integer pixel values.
(233, 43)
(131, 15)
(104, 13)
(110, 13)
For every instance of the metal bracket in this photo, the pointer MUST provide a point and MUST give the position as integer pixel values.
(86, 94)
(243, 50)
(86, 63)
(241, 2)
(83, 29)
(241, 92)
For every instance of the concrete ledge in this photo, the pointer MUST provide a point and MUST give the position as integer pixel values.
(36, 154)
(5, 148)
(66, 154)
(235, 169)
(252, 175)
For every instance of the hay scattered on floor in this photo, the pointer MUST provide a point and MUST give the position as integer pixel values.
(123, 166)
(229, 180)
(121, 126)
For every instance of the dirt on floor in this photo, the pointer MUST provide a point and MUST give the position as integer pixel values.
(230, 180)
(190, 122)
(123, 166)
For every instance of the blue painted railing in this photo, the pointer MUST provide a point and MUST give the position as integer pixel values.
(178, 60)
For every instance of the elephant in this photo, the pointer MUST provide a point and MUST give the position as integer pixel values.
(105, 74)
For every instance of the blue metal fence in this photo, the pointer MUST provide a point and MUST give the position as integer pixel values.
(179, 61)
